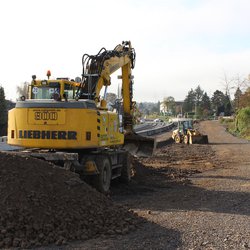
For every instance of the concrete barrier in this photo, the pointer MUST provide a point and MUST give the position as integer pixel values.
(6, 147)
(157, 130)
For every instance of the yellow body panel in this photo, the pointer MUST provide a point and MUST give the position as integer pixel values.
(62, 128)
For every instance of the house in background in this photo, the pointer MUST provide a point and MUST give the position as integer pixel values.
(178, 109)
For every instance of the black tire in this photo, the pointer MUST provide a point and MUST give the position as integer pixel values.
(186, 139)
(177, 138)
(126, 171)
(102, 181)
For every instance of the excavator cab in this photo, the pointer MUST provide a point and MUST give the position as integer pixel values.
(59, 88)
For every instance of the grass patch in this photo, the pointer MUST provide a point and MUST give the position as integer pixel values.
(231, 127)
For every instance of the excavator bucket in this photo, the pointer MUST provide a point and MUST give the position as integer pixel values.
(199, 139)
(139, 145)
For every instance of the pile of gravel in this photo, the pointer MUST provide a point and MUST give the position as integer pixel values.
(43, 204)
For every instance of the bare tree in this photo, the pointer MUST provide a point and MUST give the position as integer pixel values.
(22, 89)
(241, 82)
(228, 83)
(231, 84)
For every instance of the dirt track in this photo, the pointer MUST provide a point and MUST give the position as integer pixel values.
(193, 197)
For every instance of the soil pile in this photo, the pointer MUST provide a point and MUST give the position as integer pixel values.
(43, 204)
(175, 162)
(187, 158)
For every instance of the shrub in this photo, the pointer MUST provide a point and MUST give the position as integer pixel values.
(243, 120)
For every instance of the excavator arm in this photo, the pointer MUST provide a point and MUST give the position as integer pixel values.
(96, 75)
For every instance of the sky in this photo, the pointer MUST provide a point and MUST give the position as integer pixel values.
(179, 44)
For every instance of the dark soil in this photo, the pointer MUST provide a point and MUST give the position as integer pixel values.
(43, 204)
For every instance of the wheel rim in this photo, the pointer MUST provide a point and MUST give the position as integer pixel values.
(177, 139)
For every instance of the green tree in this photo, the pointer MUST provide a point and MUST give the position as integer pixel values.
(189, 102)
(155, 108)
(237, 97)
(205, 102)
(149, 107)
(3, 113)
(205, 105)
(218, 101)
(198, 94)
(194, 101)
(227, 105)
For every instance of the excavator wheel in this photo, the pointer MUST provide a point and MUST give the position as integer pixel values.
(102, 181)
(126, 171)
(186, 139)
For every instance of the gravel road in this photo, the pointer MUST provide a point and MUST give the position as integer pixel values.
(192, 197)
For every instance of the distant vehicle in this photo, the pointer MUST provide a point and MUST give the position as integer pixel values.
(185, 133)
(158, 120)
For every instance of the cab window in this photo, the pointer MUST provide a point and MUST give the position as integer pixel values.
(43, 92)
(69, 91)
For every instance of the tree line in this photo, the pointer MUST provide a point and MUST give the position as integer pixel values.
(3, 113)
(199, 103)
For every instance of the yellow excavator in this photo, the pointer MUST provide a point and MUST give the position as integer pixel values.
(68, 122)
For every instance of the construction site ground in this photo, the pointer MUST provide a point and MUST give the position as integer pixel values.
(191, 196)
(183, 197)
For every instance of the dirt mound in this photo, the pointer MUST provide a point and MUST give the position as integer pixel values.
(175, 162)
(43, 204)
(193, 157)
